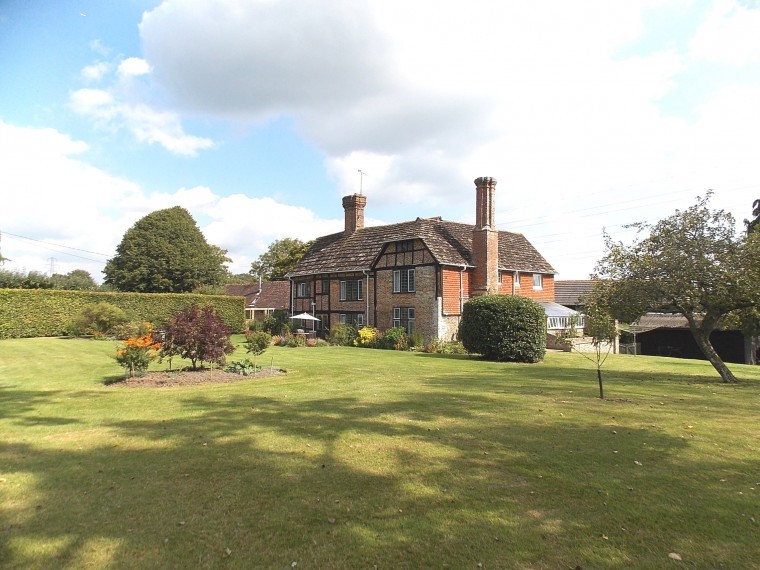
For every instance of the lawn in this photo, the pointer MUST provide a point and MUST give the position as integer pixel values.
(360, 458)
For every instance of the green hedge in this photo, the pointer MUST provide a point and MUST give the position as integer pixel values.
(504, 328)
(48, 312)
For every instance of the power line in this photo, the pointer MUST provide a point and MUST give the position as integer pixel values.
(536, 221)
(57, 244)
(47, 246)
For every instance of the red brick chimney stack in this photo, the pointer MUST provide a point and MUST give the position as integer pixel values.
(354, 212)
(485, 239)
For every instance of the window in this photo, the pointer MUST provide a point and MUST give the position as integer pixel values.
(351, 290)
(406, 245)
(403, 281)
(352, 319)
(302, 290)
(404, 317)
(325, 286)
(501, 278)
(517, 279)
(538, 281)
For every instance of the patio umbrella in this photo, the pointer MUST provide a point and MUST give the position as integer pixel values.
(305, 317)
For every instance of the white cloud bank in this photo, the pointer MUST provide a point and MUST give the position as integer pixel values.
(77, 214)
(569, 105)
(588, 113)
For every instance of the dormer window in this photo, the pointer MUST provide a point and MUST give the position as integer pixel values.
(406, 245)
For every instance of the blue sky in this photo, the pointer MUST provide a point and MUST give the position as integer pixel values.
(256, 116)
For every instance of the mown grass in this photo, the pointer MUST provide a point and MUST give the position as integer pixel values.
(362, 458)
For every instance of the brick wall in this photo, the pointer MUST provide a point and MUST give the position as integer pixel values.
(423, 300)
(451, 289)
(526, 288)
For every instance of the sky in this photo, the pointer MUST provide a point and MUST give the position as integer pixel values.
(257, 116)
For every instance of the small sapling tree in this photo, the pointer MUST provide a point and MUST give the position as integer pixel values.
(256, 343)
(198, 334)
(600, 327)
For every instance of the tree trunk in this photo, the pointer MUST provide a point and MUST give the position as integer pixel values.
(750, 349)
(599, 377)
(703, 341)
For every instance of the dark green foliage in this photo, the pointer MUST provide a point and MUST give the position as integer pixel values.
(98, 319)
(198, 334)
(276, 321)
(21, 280)
(393, 338)
(243, 367)
(342, 335)
(257, 342)
(504, 328)
(77, 280)
(281, 257)
(43, 312)
(165, 252)
(753, 223)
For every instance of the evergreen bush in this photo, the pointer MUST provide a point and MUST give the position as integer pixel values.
(504, 328)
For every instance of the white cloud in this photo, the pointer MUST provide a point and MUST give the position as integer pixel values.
(134, 66)
(146, 124)
(554, 99)
(120, 106)
(95, 71)
(58, 198)
(729, 35)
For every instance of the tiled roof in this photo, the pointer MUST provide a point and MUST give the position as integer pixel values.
(449, 242)
(663, 320)
(248, 290)
(273, 294)
(572, 292)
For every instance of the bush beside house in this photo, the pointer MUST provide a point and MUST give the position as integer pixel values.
(504, 328)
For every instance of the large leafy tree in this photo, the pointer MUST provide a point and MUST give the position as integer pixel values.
(693, 262)
(281, 256)
(165, 252)
(78, 279)
(752, 225)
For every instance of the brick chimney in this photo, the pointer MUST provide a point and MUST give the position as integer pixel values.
(354, 210)
(485, 239)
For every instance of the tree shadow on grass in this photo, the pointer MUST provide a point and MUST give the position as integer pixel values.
(441, 476)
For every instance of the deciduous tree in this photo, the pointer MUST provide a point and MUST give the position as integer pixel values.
(693, 262)
(165, 252)
(198, 334)
(79, 280)
(752, 225)
(281, 256)
(599, 326)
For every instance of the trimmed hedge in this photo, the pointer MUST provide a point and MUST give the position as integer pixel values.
(504, 328)
(48, 312)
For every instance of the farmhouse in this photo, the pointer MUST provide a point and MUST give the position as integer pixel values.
(415, 274)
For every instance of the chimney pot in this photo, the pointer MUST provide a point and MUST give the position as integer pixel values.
(485, 239)
(354, 212)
